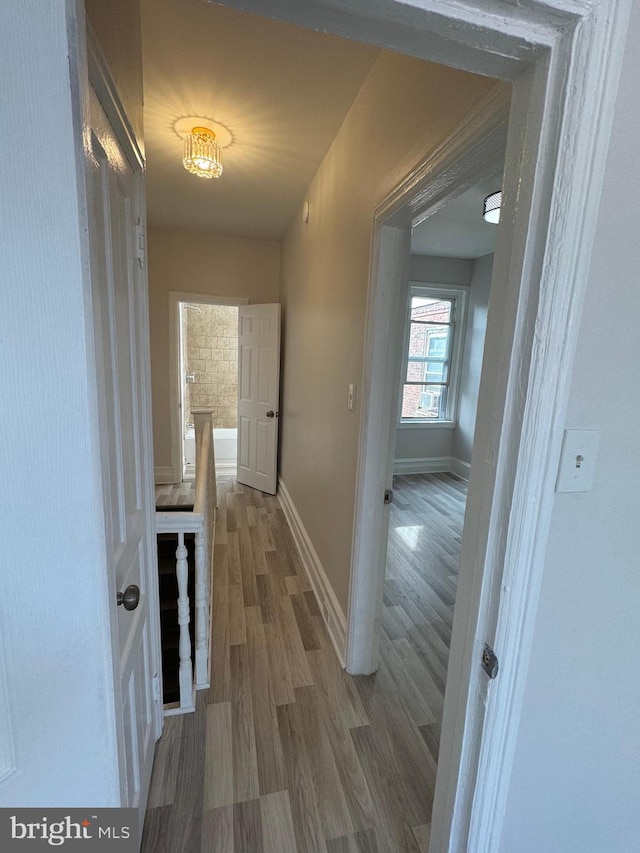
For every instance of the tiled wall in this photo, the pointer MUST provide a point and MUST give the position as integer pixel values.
(212, 354)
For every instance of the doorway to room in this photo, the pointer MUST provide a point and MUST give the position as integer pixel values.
(442, 348)
(208, 369)
(203, 359)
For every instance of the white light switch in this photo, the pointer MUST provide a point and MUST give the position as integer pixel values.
(577, 460)
(351, 402)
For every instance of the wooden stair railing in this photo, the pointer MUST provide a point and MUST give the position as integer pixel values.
(201, 523)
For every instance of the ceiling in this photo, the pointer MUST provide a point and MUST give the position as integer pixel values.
(458, 229)
(281, 91)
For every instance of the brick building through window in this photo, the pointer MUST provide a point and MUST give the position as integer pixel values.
(432, 354)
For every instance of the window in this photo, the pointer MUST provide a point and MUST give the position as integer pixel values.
(432, 354)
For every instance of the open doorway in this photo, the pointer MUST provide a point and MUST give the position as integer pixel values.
(208, 354)
(203, 357)
(441, 354)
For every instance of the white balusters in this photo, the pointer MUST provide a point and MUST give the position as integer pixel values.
(185, 673)
(202, 610)
(200, 522)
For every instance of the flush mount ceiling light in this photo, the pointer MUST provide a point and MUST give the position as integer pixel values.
(491, 207)
(202, 153)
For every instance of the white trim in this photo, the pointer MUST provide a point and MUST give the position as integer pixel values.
(586, 80)
(168, 520)
(226, 468)
(107, 93)
(460, 468)
(380, 392)
(175, 429)
(422, 465)
(7, 741)
(432, 465)
(426, 424)
(337, 621)
(207, 298)
(175, 709)
(164, 474)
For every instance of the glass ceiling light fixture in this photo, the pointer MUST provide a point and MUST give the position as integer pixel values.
(491, 207)
(202, 153)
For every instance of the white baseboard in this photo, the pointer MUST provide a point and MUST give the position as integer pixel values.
(459, 467)
(336, 621)
(164, 474)
(426, 465)
(226, 468)
(433, 465)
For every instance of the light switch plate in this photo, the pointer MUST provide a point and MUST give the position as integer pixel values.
(351, 401)
(577, 460)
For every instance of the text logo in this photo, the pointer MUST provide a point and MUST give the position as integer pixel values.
(42, 829)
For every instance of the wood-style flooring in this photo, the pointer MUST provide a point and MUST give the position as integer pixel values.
(176, 495)
(286, 752)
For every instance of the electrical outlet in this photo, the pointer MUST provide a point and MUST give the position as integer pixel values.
(351, 399)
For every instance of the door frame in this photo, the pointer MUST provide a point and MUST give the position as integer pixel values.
(175, 394)
(539, 280)
(563, 59)
(473, 153)
(94, 74)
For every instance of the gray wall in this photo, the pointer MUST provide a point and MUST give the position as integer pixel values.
(576, 776)
(477, 306)
(419, 442)
(433, 270)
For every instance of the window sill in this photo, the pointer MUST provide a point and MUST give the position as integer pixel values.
(427, 424)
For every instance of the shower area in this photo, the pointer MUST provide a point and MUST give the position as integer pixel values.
(209, 371)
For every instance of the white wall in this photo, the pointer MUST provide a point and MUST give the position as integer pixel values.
(576, 779)
(477, 307)
(53, 612)
(431, 442)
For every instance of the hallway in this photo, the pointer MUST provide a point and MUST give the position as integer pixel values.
(287, 752)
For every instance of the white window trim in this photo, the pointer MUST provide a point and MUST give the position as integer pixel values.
(416, 423)
(439, 291)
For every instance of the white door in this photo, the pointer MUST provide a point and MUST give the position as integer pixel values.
(121, 339)
(258, 388)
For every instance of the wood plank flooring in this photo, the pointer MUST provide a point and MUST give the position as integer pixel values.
(286, 752)
(175, 494)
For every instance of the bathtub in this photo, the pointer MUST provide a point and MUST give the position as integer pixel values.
(225, 443)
